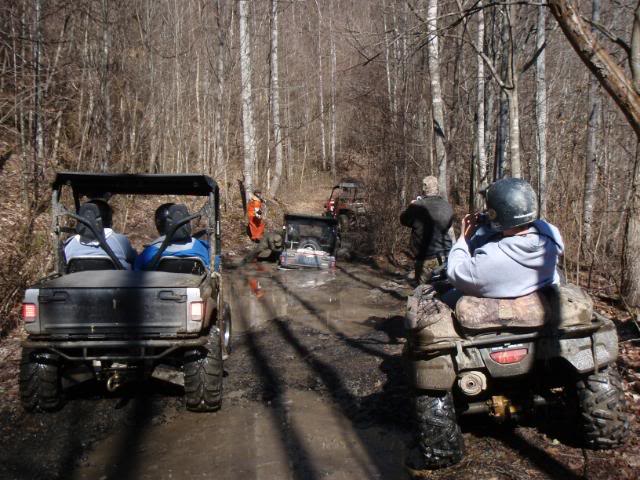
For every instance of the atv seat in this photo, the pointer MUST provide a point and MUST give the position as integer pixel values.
(554, 306)
(192, 265)
(83, 264)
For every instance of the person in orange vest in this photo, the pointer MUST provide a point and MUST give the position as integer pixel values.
(255, 212)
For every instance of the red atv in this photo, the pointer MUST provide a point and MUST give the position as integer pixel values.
(346, 204)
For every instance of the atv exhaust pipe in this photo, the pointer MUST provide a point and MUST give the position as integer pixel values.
(114, 382)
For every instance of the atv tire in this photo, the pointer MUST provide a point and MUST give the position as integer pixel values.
(605, 423)
(440, 441)
(40, 385)
(203, 373)
(344, 222)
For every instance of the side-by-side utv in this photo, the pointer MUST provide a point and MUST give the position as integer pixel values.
(96, 318)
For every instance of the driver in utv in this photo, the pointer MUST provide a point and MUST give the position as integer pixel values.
(85, 244)
(182, 243)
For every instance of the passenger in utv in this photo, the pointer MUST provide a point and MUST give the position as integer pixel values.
(509, 254)
(84, 243)
(182, 244)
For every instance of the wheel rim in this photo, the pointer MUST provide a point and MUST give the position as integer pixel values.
(226, 334)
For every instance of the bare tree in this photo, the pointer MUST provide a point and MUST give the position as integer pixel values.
(481, 151)
(323, 141)
(541, 111)
(622, 90)
(275, 99)
(437, 105)
(591, 160)
(249, 136)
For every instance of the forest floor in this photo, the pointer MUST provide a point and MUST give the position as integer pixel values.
(314, 388)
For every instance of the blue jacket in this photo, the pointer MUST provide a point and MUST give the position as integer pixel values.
(193, 248)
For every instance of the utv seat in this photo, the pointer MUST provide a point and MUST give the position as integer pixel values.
(180, 264)
(83, 264)
(91, 214)
(192, 265)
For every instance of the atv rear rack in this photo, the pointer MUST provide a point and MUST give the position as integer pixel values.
(483, 341)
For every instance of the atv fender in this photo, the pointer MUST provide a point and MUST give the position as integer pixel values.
(437, 373)
(579, 352)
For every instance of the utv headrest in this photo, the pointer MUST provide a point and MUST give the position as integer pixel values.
(91, 213)
(176, 214)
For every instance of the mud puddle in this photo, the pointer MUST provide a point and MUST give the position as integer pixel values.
(303, 437)
(334, 302)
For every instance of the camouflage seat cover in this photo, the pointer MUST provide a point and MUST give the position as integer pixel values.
(563, 305)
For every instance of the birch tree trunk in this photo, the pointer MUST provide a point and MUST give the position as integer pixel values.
(38, 132)
(333, 92)
(275, 99)
(220, 83)
(541, 112)
(323, 139)
(437, 106)
(591, 160)
(249, 137)
(512, 95)
(502, 135)
(480, 130)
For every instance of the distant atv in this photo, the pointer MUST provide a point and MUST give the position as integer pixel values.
(309, 242)
(94, 319)
(506, 357)
(347, 205)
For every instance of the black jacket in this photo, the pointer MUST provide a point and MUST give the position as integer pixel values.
(430, 219)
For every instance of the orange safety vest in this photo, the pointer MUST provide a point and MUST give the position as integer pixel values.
(256, 225)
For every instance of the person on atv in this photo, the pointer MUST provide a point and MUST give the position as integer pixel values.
(84, 244)
(182, 243)
(507, 252)
(429, 216)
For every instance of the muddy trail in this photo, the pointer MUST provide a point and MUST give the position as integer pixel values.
(313, 389)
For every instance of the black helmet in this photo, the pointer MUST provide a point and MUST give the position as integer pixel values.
(161, 215)
(105, 211)
(511, 202)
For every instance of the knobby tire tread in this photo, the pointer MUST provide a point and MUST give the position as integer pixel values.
(605, 423)
(40, 388)
(440, 440)
(203, 371)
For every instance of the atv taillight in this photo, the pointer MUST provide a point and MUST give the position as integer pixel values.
(196, 310)
(29, 312)
(509, 356)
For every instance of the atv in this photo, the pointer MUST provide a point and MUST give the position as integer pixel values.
(507, 358)
(346, 204)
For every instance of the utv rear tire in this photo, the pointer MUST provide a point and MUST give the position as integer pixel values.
(203, 373)
(605, 423)
(440, 441)
(40, 386)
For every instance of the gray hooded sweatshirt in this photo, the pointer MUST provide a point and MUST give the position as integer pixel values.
(506, 267)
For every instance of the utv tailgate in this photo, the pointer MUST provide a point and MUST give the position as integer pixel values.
(102, 304)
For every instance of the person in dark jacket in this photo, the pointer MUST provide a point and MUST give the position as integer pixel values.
(430, 217)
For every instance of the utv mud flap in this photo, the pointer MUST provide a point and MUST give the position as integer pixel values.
(435, 373)
(580, 352)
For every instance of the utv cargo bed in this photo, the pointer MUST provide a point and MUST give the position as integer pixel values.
(110, 303)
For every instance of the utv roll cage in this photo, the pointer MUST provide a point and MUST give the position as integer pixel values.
(94, 184)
